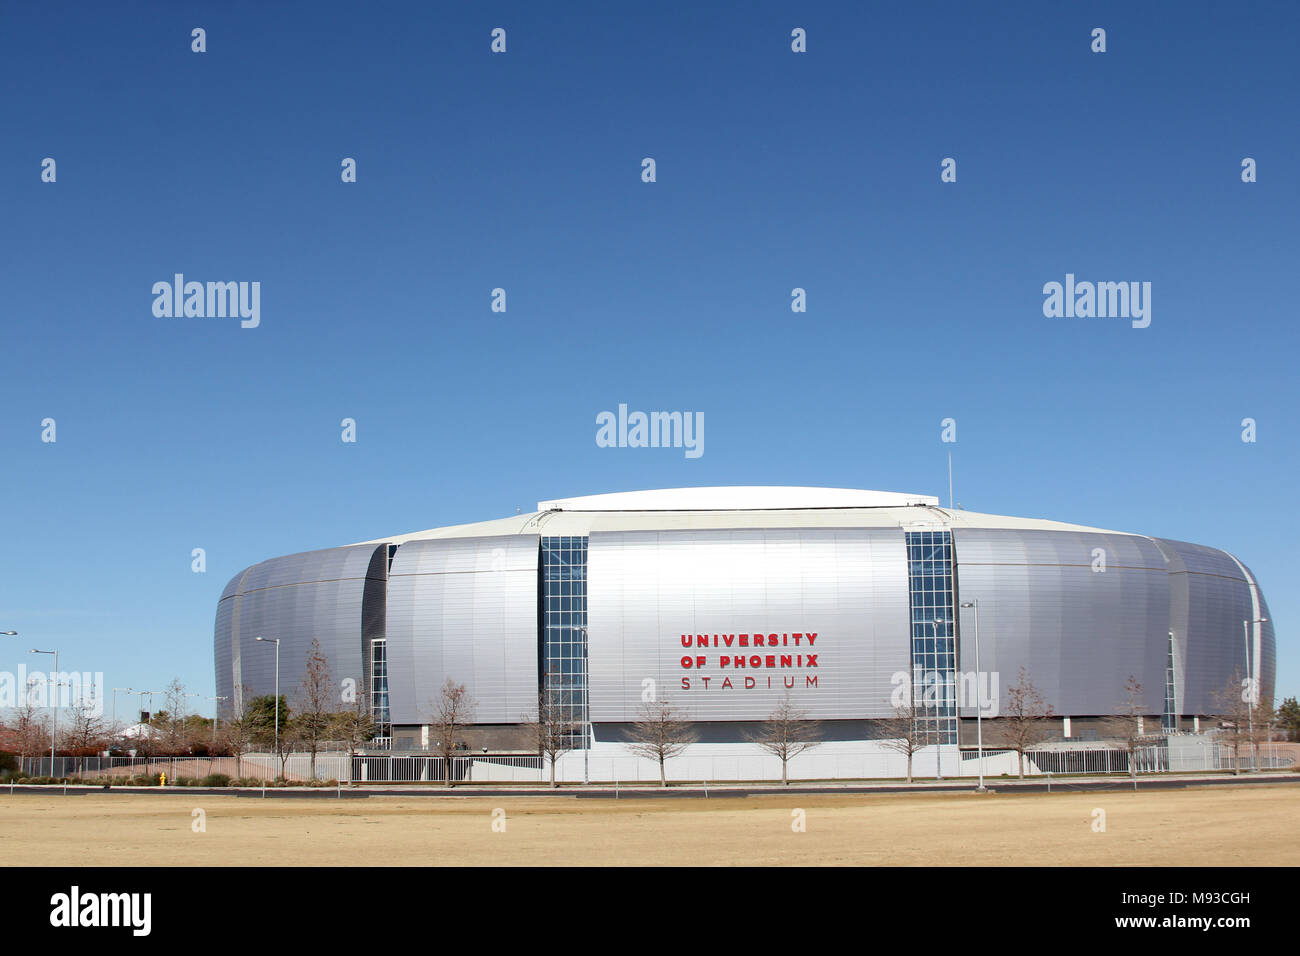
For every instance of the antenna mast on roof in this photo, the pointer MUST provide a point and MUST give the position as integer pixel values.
(950, 481)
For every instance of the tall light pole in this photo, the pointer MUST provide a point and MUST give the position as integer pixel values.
(938, 757)
(140, 705)
(184, 717)
(276, 642)
(979, 710)
(54, 705)
(216, 712)
(115, 690)
(586, 708)
(1252, 690)
(139, 713)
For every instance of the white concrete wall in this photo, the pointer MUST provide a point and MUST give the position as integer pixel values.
(732, 762)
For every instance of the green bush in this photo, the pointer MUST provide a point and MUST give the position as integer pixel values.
(215, 780)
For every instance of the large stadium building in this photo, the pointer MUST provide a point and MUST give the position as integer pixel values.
(722, 601)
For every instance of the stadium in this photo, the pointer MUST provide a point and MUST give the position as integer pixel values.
(724, 602)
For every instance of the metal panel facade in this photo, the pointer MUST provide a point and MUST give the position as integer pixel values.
(296, 598)
(1212, 597)
(648, 589)
(467, 608)
(1078, 631)
(464, 608)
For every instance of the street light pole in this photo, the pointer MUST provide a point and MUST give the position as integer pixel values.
(139, 714)
(938, 754)
(216, 712)
(979, 710)
(54, 704)
(140, 703)
(1251, 690)
(185, 717)
(115, 690)
(276, 642)
(586, 707)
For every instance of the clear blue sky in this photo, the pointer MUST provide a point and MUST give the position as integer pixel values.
(523, 171)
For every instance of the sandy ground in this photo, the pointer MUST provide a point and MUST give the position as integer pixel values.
(1208, 826)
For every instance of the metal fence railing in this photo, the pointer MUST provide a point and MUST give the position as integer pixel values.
(388, 768)
(422, 768)
(256, 768)
(1155, 758)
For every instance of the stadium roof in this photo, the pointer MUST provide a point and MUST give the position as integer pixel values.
(738, 498)
(735, 508)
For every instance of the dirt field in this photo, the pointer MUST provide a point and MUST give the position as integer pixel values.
(1210, 826)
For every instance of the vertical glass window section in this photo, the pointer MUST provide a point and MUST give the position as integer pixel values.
(1170, 721)
(934, 650)
(564, 640)
(379, 687)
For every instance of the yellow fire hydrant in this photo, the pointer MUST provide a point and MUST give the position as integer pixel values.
(162, 779)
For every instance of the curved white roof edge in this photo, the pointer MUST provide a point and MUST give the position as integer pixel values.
(737, 498)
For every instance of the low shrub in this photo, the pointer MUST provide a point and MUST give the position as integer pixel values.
(216, 780)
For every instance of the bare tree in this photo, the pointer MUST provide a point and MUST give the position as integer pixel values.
(1129, 724)
(31, 729)
(905, 731)
(238, 731)
(556, 729)
(354, 725)
(315, 703)
(1232, 703)
(87, 733)
(1025, 721)
(1265, 717)
(170, 723)
(787, 733)
(453, 710)
(661, 734)
(290, 740)
(264, 714)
